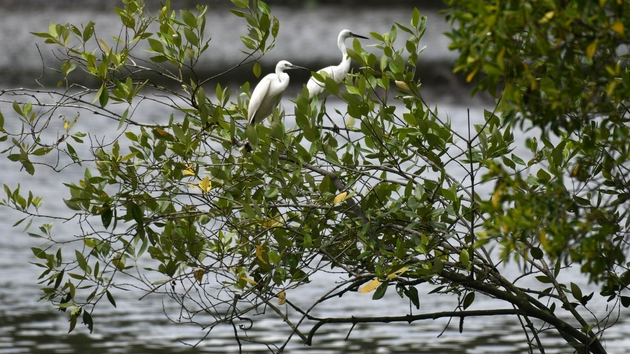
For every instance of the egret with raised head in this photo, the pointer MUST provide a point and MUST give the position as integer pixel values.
(268, 92)
(336, 72)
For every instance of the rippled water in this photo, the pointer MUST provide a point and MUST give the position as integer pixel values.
(28, 326)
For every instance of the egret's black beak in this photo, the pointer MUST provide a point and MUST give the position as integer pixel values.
(358, 36)
(299, 67)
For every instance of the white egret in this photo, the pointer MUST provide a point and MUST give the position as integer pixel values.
(268, 92)
(336, 72)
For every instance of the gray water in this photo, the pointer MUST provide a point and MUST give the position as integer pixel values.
(29, 326)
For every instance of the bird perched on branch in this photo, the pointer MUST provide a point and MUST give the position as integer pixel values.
(268, 92)
(336, 72)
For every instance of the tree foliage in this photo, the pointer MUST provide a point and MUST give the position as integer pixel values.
(385, 195)
(558, 66)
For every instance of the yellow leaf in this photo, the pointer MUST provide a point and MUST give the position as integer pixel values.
(543, 241)
(590, 50)
(548, 16)
(501, 54)
(350, 122)
(282, 298)
(397, 273)
(271, 223)
(260, 250)
(250, 280)
(104, 46)
(403, 85)
(575, 171)
(189, 170)
(163, 134)
(500, 57)
(370, 286)
(339, 198)
(533, 84)
(66, 125)
(495, 198)
(481, 234)
(205, 184)
(199, 274)
(472, 74)
(129, 156)
(617, 26)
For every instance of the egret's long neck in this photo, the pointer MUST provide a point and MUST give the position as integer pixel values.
(345, 59)
(279, 73)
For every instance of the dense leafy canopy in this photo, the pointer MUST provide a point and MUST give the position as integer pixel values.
(561, 66)
(385, 194)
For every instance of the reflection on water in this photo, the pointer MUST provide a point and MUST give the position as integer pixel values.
(141, 326)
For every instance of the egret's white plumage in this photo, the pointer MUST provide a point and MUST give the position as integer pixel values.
(268, 93)
(336, 72)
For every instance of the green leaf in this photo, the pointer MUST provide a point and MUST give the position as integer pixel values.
(509, 163)
(308, 241)
(412, 294)
(191, 37)
(264, 8)
(99, 93)
(536, 253)
(543, 175)
(449, 194)
(415, 18)
(59, 278)
(110, 298)
(243, 4)
(88, 32)
(77, 276)
(87, 320)
(257, 69)
(42, 35)
(464, 257)
(252, 136)
(271, 193)
(380, 291)
(71, 204)
(73, 323)
(275, 27)
(136, 213)
(468, 300)
(274, 257)
(17, 108)
(156, 45)
(106, 217)
(249, 211)
(104, 96)
(38, 252)
(81, 260)
(576, 291)
(188, 18)
(438, 265)
(28, 166)
(518, 160)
